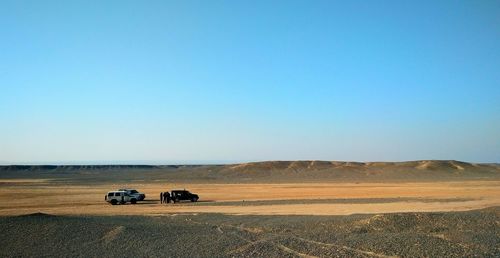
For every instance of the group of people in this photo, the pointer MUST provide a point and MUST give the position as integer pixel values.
(165, 197)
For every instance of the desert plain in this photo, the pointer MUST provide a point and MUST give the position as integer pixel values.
(296, 208)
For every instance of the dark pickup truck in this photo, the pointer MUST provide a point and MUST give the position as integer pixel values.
(180, 195)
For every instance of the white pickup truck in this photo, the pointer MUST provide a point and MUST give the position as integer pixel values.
(120, 197)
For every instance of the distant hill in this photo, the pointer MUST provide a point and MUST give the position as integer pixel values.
(268, 171)
(425, 169)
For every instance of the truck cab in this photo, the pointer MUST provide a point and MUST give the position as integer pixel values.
(134, 193)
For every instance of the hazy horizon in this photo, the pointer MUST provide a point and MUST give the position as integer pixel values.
(192, 162)
(231, 81)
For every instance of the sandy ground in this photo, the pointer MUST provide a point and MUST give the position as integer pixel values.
(31, 196)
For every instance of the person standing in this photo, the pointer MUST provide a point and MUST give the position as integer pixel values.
(161, 197)
(165, 197)
(168, 197)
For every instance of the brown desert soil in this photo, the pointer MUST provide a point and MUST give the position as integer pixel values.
(29, 196)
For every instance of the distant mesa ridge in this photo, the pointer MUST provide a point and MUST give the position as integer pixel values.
(282, 165)
(76, 167)
(266, 171)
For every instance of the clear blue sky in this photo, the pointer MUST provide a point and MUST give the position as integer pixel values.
(228, 81)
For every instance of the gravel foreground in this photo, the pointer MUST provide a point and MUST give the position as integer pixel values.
(452, 234)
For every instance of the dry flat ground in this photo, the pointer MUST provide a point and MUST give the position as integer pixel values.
(25, 196)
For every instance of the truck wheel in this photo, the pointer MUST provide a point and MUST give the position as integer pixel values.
(133, 201)
(176, 200)
(114, 202)
(194, 199)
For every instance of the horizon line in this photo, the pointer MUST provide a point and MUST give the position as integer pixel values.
(203, 162)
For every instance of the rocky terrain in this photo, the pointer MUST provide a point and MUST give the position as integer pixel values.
(453, 234)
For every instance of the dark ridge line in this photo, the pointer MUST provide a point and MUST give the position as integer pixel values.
(91, 167)
(77, 167)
